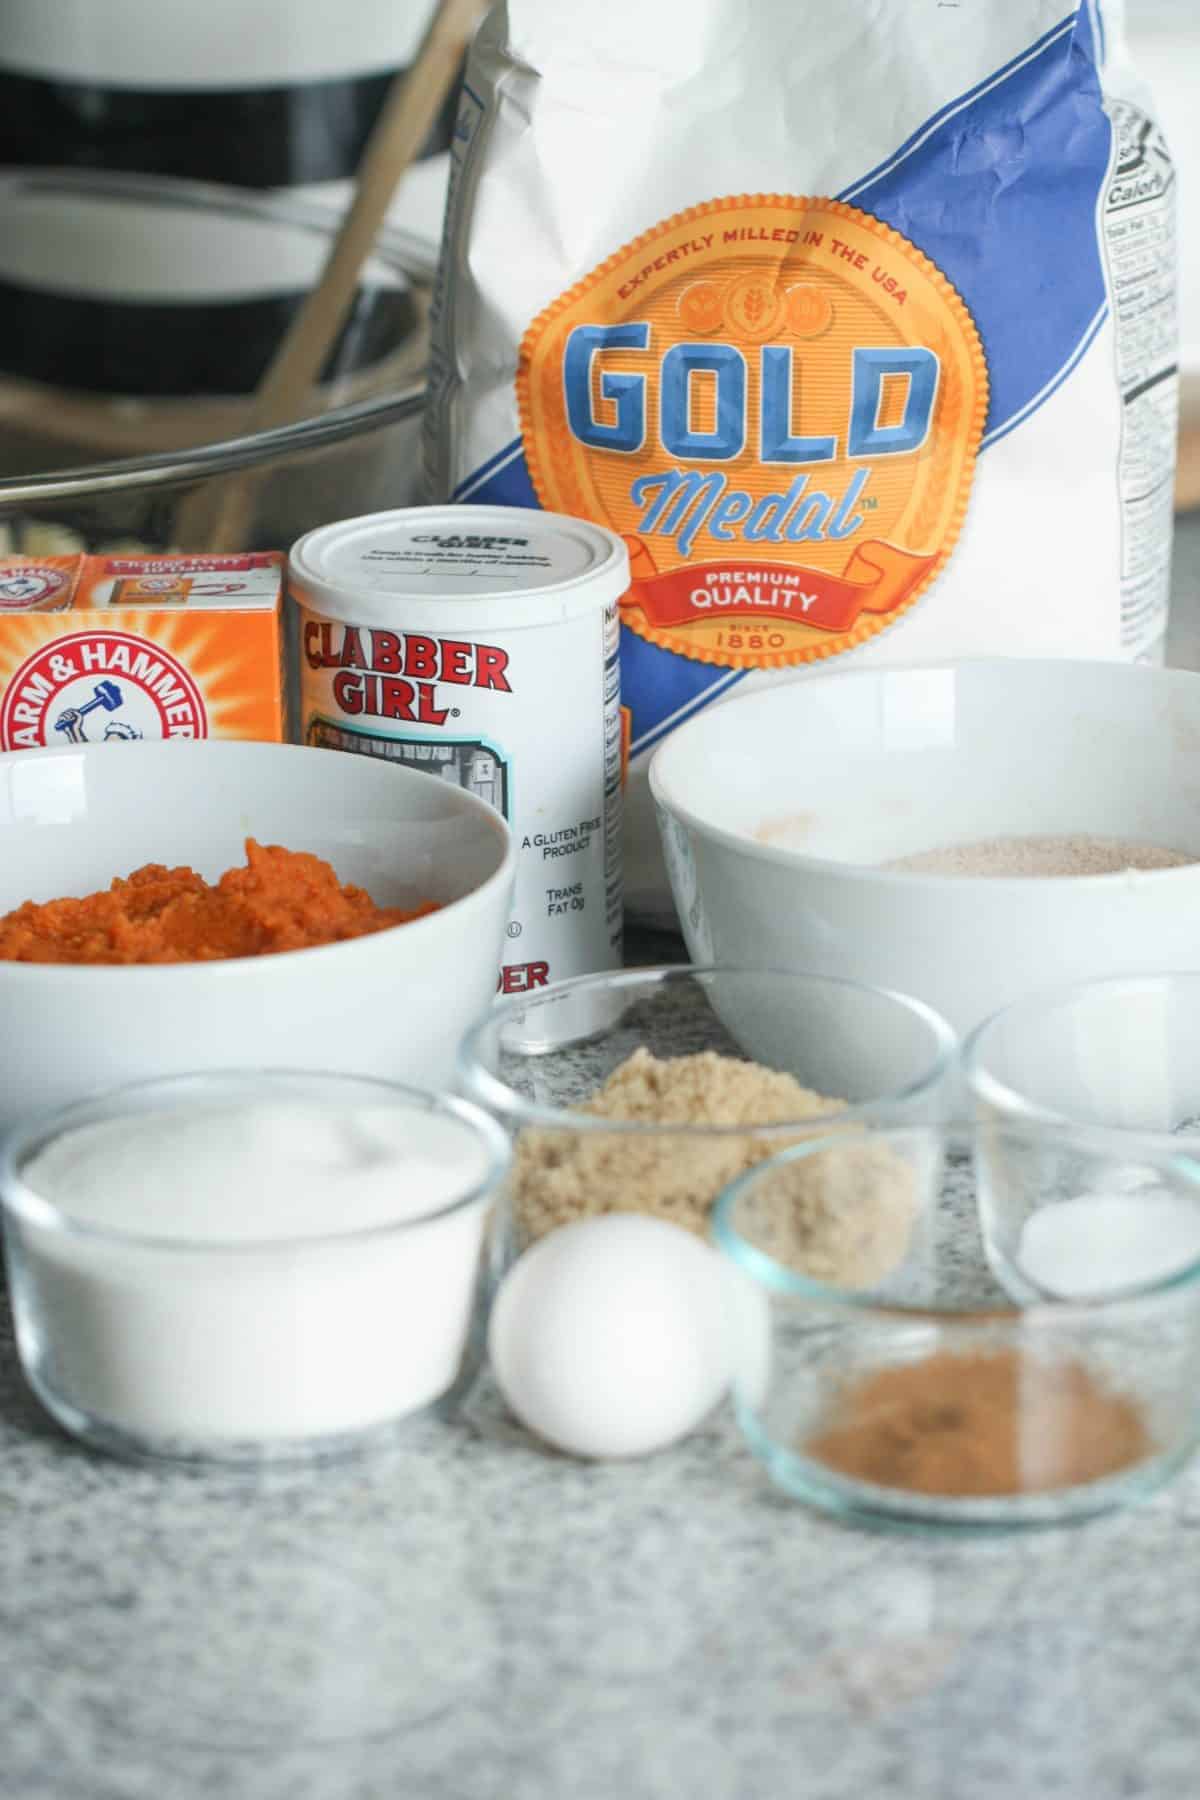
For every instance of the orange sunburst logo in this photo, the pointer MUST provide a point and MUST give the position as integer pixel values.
(777, 401)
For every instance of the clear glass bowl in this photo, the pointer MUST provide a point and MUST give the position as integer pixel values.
(243, 1350)
(1075, 1214)
(126, 397)
(532, 1062)
(1121, 1054)
(928, 1401)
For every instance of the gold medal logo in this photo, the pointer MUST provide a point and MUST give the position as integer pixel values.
(778, 402)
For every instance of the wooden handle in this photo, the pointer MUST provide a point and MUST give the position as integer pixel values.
(285, 392)
(404, 124)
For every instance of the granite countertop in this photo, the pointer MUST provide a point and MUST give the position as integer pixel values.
(468, 1618)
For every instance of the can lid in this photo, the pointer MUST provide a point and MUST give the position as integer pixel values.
(460, 567)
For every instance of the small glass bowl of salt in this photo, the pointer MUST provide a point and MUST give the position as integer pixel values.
(944, 1390)
(1085, 1215)
(1087, 1135)
(249, 1266)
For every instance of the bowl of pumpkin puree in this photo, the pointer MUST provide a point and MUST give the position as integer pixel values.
(169, 907)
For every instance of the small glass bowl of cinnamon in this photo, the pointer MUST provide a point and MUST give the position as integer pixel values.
(934, 1399)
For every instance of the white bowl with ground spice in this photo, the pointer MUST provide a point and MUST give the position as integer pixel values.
(968, 832)
(650, 1091)
(926, 1400)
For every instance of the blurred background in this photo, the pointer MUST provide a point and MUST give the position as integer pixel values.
(171, 179)
(172, 173)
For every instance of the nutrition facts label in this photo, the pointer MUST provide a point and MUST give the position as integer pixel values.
(1139, 235)
(614, 775)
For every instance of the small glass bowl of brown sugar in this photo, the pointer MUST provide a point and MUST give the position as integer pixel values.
(650, 1091)
(915, 1394)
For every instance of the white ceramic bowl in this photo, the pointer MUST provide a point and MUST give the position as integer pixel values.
(774, 807)
(394, 1004)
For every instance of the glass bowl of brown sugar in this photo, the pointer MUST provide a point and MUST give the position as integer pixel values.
(928, 1400)
(650, 1090)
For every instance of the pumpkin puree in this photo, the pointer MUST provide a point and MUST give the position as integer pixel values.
(281, 900)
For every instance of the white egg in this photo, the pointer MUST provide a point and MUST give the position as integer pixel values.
(611, 1337)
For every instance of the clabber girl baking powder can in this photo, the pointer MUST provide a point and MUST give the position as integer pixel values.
(479, 644)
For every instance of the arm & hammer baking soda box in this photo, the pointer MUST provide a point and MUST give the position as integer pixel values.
(112, 648)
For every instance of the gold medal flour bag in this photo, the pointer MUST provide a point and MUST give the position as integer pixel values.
(856, 322)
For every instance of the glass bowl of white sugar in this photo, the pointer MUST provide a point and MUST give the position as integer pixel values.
(248, 1266)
